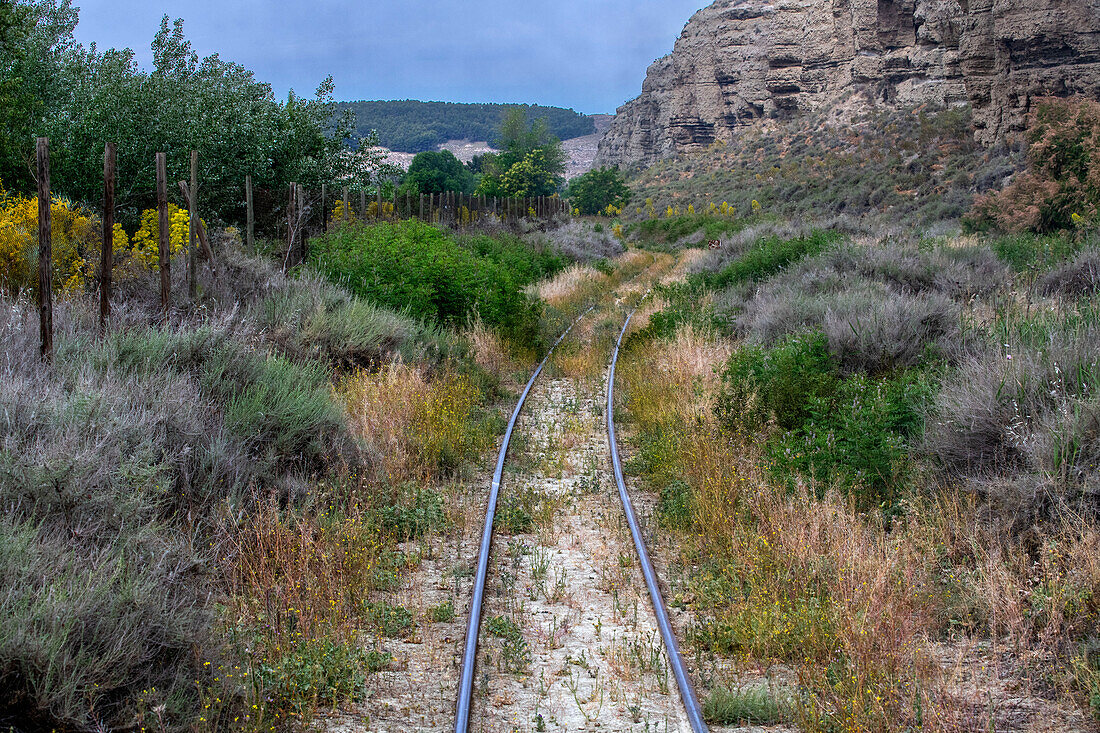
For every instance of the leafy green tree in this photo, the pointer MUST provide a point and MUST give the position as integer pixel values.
(37, 35)
(432, 172)
(82, 98)
(530, 177)
(532, 162)
(597, 189)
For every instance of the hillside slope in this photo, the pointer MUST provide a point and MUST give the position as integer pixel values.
(413, 127)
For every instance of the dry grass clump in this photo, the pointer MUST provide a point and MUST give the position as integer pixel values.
(1080, 277)
(569, 285)
(1026, 410)
(418, 428)
(489, 351)
(882, 306)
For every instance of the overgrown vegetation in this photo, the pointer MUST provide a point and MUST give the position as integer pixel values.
(1061, 187)
(875, 456)
(204, 517)
(429, 274)
(82, 98)
(921, 166)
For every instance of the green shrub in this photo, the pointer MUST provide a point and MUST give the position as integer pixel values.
(287, 414)
(780, 384)
(417, 268)
(851, 432)
(857, 439)
(1038, 252)
(416, 512)
(674, 506)
(390, 620)
(313, 319)
(677, 228)
(442, 613)
(315, 672)
(769, 256)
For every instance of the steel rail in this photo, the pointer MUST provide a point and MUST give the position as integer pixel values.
(469, 656)
(687, 693)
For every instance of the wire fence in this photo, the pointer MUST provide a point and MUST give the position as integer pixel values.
(287, 217)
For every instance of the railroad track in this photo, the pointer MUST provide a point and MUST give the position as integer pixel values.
(469, 659)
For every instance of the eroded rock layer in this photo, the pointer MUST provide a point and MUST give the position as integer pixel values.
(741, 61)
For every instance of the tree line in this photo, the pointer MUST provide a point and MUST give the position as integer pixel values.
(82, 97)
(415, 127)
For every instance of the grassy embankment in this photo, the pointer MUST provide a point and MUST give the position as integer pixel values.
(878, 455)
(202, 517)
(920, 167)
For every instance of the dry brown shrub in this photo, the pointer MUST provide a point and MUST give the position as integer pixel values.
(419, 429)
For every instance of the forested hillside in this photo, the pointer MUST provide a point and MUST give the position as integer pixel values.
(414, 127)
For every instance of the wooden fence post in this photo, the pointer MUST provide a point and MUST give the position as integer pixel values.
(164, 241)
(324, 200)
(421, 207)
(292, 198)
(200, 230)
(250, 217)
(45, 252)
(347, 203)
(193, 230)
(303, 233)
(378, 202)
(107, 258)
(363, 204)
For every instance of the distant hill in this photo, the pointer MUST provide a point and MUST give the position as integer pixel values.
(413, 127)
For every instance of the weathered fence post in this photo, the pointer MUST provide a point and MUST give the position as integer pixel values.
(107, 258)
(347, 203)
(250, 217)
(300, 208)
(192, 230)
(200, 230)
(324, 200)
(45, 252)
(292, 198)
(378, 203)
(164, 241)
(421, 207)
(363, 204)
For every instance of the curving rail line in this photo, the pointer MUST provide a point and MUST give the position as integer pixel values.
(469, 656)
(687, 693)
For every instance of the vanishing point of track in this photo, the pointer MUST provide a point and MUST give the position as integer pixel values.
(469, 657)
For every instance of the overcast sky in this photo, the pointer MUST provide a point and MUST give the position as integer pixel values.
(587, 54)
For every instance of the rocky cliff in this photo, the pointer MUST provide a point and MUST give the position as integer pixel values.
(741, 61)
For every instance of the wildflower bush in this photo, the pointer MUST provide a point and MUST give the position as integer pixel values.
(75, 245)
(145, 244)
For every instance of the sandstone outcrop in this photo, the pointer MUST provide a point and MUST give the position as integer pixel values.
(742, 61)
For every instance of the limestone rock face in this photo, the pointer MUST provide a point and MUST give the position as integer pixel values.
(742, 61)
